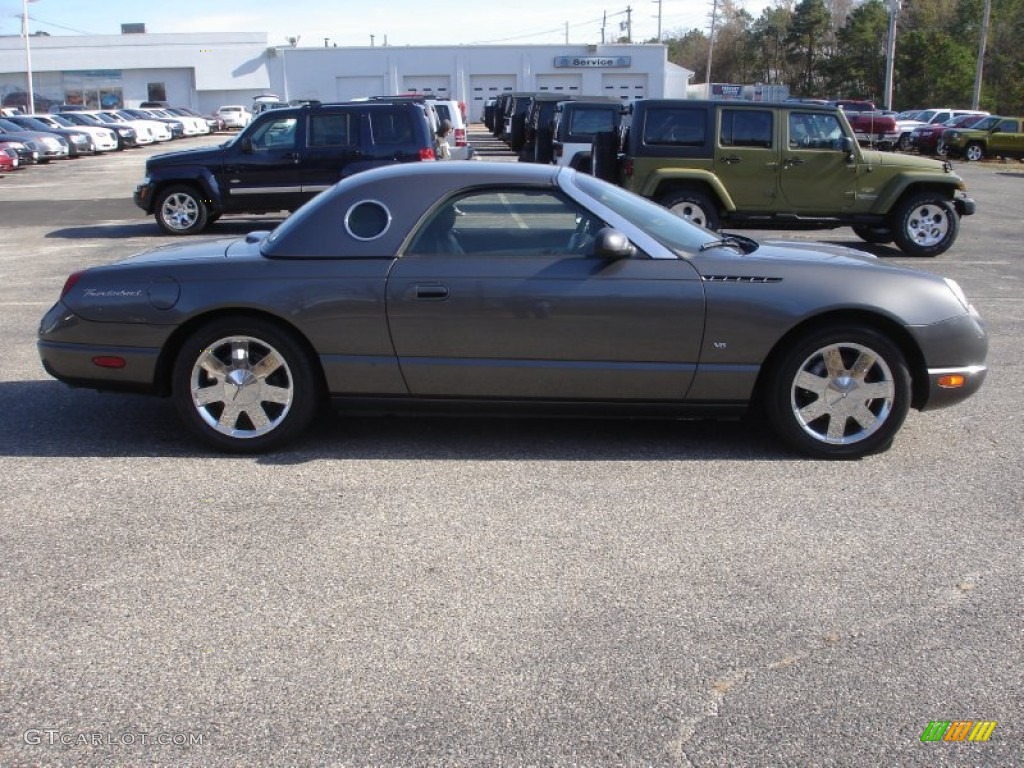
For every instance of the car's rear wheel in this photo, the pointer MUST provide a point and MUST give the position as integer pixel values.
(839, 393)
(693, 206)
(925, 224)
(974, 152)
(874, 235)
(941, 148)
(244, 385)
(181, 211)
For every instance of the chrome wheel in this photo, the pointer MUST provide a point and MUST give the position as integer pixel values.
(838, 393)
(245, 385)
(974, 152)
(180, 211)
(242, 387)
(925, 225)
(842, 394)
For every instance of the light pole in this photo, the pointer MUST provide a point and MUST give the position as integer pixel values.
(28, 55)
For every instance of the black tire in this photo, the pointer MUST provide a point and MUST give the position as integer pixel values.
(604, 156)
(941, 148)
(543, 149)
(693, 206)
(874, 235)
(925, 224)
(517, 133)
(974, 152)
(244, 385)
(180, 210)
(840, 392)
(904, 142)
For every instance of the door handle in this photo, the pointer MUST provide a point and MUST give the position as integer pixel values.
(730, 159)
(791, 161)
(293, 156)
(432, 292)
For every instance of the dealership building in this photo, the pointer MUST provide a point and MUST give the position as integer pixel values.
(204, 71)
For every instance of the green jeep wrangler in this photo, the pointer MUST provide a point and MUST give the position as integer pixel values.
(989, 137)
(784, 165)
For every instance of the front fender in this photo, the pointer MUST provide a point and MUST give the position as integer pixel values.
(198, 175)
(946, 186)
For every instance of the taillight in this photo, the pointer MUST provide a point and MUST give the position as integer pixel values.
(627, 168)
(427, 153)
(73, 278)
(460, 137)
(558, 150)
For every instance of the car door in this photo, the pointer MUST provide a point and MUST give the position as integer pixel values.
(496, 297)
(747, 156)
(261, 171)
(332, 148)
(815, 174)
(1007, 139)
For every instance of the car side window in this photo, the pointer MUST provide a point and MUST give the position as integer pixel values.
(332, 130)
(391, 127)
(507, 223)
(745, 128)
(275, 135)
(809, 130)
(675, 127)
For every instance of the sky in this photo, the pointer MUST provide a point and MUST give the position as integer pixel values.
(376, 22)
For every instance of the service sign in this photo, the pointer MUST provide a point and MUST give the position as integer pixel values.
(591, 62)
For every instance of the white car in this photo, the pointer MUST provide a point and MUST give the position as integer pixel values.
(161, 131)
(104, 139)
(143, 133)
(193, 126)
(234, 116)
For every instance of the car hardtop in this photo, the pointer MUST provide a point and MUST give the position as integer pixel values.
(397, 194)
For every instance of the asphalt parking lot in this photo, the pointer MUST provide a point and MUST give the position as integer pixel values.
(432, 592)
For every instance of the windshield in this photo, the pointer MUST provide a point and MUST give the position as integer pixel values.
(61, 120)
(674, 232)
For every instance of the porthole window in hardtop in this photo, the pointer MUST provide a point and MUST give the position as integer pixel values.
(367, 220)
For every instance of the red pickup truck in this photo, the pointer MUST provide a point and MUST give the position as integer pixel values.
(871, 127)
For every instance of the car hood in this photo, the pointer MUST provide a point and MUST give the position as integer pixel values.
(207, 156)
(910, 162)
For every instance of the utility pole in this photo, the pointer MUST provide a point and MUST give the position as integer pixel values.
(629, 24)
(28, 56)
(890, 51)
(981, 54)
(567, 33)
(658, 3)
(604, 23)
(711, 46)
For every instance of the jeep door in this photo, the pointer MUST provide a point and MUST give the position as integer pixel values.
(260, 171)
(815, 174)
(747, 157)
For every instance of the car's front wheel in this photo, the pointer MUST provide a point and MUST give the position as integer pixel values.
(925, 224)
(693, 206)
(244, 385)
(181, 211)
(974, 152)
(839, 393)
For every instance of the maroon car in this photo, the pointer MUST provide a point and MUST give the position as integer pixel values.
(927, 139)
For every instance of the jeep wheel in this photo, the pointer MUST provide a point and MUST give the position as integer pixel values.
(692, 206)
(904, 143)
(974, 152)
(941, 149)
(925, 225)
(180, 211)
(874, 235)
(838, 393)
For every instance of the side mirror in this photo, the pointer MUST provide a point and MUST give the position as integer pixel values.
(611, 244)
(246, 146)
(847, 146)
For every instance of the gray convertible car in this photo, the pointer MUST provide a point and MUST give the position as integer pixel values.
(517, 288)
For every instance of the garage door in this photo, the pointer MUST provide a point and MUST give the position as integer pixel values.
(570, 85)
(358, 87)
(483, 87)
(624, 87)
(436, 86)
